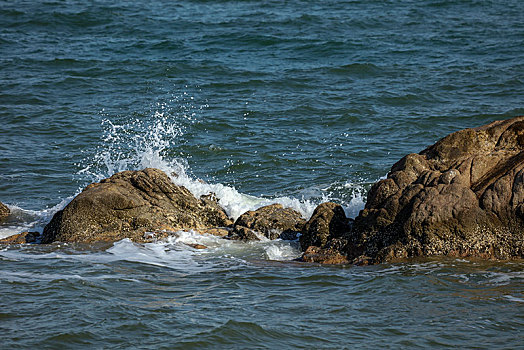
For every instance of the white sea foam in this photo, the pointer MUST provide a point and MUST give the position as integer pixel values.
(158, 254)
(177, 251)
(514, 298)
(21, 220)
(357, 201)
(282, 250)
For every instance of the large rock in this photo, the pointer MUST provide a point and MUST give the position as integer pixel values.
(272, 221)
(4, 212)
(327, 222)
(129, 204)
(463, 196)
(326, 235)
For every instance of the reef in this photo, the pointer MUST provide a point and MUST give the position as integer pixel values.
(461, 197)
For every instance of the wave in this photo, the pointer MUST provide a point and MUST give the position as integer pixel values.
(137, 143)
(152, 140)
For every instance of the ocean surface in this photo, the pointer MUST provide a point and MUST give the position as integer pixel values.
(295, 102)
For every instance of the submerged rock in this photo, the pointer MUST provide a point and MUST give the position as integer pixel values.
(463, 196)
(129, 204)
(242, 233)
(196, 246)
(4, 211)
(272, 222)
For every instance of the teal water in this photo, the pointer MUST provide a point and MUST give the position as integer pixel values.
(296, 102)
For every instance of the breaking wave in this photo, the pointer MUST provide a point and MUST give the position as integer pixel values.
(150, 141)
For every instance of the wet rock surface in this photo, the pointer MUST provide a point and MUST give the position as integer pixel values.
(463, 196)
(327, 222)
(21, 238)
(129, 204)
(4, 212)
(314, 254)
(326, 235)
(272, 222)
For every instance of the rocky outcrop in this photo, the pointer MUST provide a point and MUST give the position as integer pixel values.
(463, 196)
(272, 222)
(327, 222)
(129, 204)
(326, 235)
(4, 212)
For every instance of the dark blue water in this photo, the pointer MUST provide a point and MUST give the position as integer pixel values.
(290, 101)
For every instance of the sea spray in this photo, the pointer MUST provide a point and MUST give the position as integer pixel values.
(150, 141)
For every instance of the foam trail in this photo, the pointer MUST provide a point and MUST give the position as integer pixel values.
(236, 203)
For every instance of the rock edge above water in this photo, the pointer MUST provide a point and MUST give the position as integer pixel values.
(132, 204)
(461, 197)
(4, 211)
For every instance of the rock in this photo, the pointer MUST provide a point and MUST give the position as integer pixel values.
(323, 256)
(326, 235)
(129, 204)
(31, 237)
(327, 223)
(21, 238)
(217, 231)
(196, 246)
(242, 233)
(272, 221)
(14, 239)
(4, 212)
(463, 196)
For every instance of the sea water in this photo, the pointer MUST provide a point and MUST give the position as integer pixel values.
(293, 102)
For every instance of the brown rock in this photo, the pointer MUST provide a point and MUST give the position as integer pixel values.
(463, 196)
(21, 238)
(242, 233)
(273, 221)
(323, 256)
(327, 223)
(4, 212)
(129, 204)
(196, 246)
(217, 231)
(14, 239)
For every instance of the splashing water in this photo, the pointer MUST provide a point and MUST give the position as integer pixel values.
(136, 144)
(29, 220)
(149, 141)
